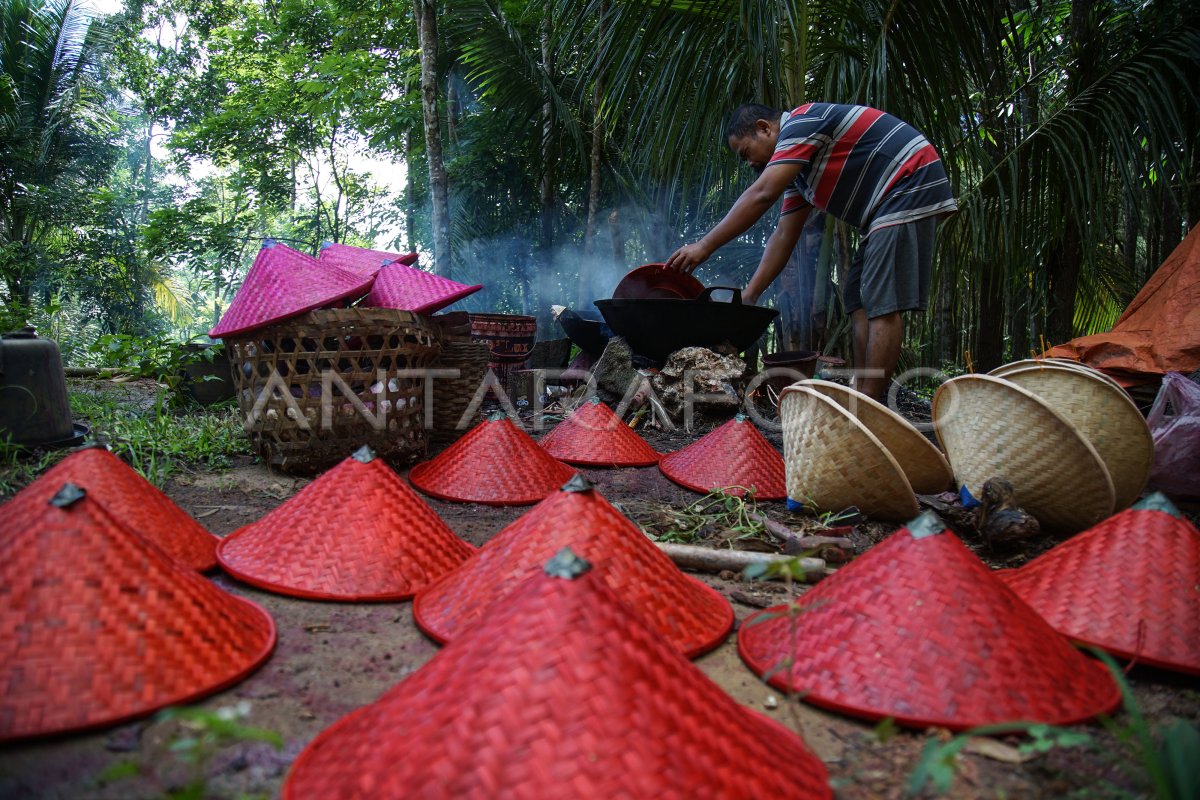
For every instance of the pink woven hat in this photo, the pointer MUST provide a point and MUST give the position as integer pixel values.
(595, 436)
(734, 455)
(411, 289)
(685, 613)
(131, 499)
(559, 692)
(101, 626)
(920, 630)
(355, 533)
(1127, 586)
(283, 283)
(359, 260)
(495, 463)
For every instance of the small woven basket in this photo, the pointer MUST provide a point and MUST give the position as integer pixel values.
(452, 395)
(315, 388)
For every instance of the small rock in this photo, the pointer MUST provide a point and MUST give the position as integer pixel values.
(770, 702)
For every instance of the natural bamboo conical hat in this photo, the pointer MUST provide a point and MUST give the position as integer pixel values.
(992, 428)
(101, 626)
(1025, 363)
(690, 616)
(495, 463)
(595, 436)
(834, 461)
(131, 499)
(1128, 586)
(561, 691)
(922, 463)
(733, 457)
(922, 631)
(358, 532)
(1102, 413)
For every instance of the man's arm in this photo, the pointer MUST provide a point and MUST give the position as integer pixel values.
(778, 251)
(753, 203)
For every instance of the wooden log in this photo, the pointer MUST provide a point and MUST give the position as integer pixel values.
(708, 559)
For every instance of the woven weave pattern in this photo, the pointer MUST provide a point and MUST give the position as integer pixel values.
(595, 436)
(360, 260)
(356, 533)
(1004, 369)
(919, 629)
(1127, 586)
(559, 693)
(496, 463)
(833, 461)
(1105, 416)
(131, 500)
(992, 428)
(314, 389)
(412, 289)
(922, 464)
(687, 614)
(98, 626)
(452, 396)
(284, 283)
(733, 455)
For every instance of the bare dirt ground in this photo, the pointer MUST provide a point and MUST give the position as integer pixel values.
(332, 658)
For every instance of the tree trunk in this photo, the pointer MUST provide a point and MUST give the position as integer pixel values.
(410, 195)
(989, 348)
(593, 210)
(439, 184)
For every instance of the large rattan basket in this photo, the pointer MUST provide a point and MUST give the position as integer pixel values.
(452, 394)
(315, 388)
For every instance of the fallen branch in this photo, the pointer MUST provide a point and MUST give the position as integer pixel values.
(707, 559)
(795, 542)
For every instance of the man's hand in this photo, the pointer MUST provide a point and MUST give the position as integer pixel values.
(688, 257)
(750, 296)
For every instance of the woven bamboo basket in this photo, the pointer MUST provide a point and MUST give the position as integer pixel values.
(452, 396)
(315, 388)
(1003, 370)
(992, 428)
(833, 460)
(1105, 415)
(923, 464)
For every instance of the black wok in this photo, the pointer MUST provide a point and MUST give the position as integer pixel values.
(655, 327)
(591, 335)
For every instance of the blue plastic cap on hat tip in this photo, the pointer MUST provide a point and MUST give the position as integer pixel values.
(1157, 501)
(269, 243)
(794, 505)
(968, 500)
(927, 524)
(325, 245)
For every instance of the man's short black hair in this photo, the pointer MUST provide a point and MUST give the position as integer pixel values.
(741, 122)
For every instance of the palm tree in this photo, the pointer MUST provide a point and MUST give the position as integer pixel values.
(54, 128)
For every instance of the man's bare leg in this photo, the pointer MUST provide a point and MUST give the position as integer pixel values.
(860, 327)
(884, 336)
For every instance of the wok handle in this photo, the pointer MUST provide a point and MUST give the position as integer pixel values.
(706, 295)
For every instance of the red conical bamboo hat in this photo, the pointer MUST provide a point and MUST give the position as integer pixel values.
(355, 533)
(131, 500)
(102, 626)
(1127, 586)
(594, 436)
(495, 463)
(360, 260)
(733, 455)
(284, 283)
(411, 289)
(690, 616)
(559, 692)
(919, 629)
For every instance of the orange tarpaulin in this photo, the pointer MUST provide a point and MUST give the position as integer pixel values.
(1159, 331)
